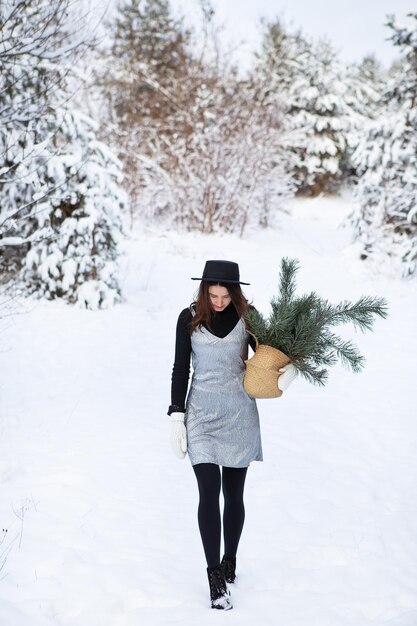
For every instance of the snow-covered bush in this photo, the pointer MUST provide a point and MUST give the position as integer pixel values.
(222, 171)
(385, 218)
(200, 150)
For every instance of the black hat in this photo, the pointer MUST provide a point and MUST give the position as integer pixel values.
(221, 272)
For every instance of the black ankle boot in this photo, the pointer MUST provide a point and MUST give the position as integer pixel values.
(219, 594)
(228, 566)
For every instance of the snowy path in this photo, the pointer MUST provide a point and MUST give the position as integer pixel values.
(101, 517)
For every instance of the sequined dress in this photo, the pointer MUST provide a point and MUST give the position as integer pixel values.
(222, 420)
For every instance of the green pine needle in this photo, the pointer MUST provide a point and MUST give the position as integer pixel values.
(299, 326)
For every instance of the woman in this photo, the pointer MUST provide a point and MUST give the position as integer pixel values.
(219, 423)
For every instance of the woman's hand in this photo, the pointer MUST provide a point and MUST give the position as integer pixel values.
(288, 373)
(178, 435)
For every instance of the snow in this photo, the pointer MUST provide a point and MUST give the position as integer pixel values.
(98, 518)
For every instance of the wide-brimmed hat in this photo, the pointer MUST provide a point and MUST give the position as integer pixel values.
(221, 272)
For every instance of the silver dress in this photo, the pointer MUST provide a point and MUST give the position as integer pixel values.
(222, 420)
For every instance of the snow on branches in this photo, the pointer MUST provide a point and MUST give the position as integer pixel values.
(75, 230)
(200, 150)
(324, 110)
(223, 175)
(385, 219)
(60, 191)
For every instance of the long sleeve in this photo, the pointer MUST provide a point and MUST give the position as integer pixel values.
(252, 340)
(181, 369)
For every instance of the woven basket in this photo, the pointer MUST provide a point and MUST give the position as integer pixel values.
(262, 372)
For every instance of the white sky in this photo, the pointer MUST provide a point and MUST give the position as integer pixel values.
(355, 27)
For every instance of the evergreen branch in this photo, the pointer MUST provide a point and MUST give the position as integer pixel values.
(360, 313)
(287, 283)
(347, 352)
(299, 326)
(311, 373)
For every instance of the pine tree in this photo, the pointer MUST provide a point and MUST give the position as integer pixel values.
(322, 109)
(146, 32)
(75, 231)
(59, 192)
(140, 76)
(385, 219)
(366, 81)
(147, 55)
(278, 66)
(307, 78)
(281, 59)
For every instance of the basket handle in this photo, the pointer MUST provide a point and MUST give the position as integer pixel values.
(251, 333)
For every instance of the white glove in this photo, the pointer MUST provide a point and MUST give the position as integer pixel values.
(178, 435)
(288, 374)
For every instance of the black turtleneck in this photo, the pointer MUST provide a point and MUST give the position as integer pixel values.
(223, 323)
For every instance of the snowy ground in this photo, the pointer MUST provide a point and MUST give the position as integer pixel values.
(98, 518)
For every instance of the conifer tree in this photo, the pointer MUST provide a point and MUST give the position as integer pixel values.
(140, 74)
(278, 65)
(146, 56)
(385, 219)
(59, 190)
(281, 58)
(366, 81)
(322, 117)
(320, 107)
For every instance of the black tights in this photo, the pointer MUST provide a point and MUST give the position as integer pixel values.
(209, 482)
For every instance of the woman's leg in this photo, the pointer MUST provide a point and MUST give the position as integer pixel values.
(209, 482)
(233, 481)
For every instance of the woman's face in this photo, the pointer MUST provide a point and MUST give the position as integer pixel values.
(219, 297)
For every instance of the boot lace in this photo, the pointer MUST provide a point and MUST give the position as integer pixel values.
(217, 583)
(228, 566)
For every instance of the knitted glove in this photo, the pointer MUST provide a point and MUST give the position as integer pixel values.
(178, 435)
(286, 377)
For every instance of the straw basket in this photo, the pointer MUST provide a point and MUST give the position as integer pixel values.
(262, 372)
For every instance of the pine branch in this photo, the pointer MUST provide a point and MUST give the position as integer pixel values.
(299, 326)
(347, 352)
(287, 283)
(312, 374)
(360, 313)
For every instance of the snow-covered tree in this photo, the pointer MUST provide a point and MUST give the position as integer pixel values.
(146, 32)
(282, 57)
(321, 116)
(75, 230)
(320, 107)
(278, 65)
(385, 219)
(138, 72)
(366, 81)
(59, 199)
(139, 68)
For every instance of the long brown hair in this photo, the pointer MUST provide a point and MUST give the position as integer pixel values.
(203, 309)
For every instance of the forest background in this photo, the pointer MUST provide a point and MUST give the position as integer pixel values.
(141, 116)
